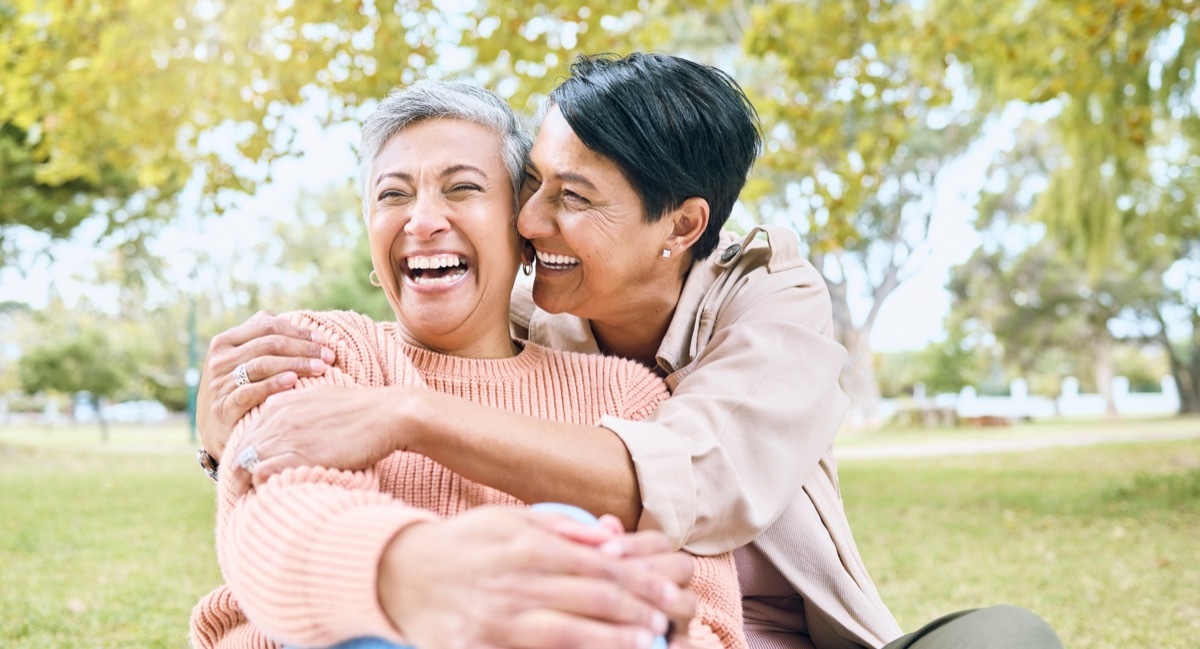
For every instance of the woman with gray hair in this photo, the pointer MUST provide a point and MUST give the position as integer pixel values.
(405, 550)
(636, 167)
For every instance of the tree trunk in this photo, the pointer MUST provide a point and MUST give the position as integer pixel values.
(99, 403)
(860, 383)
(1102, 368)
(1187, 381)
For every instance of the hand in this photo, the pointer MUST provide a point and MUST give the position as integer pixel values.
(506, 577)
(653, 552)
(322, 425)
(276, 354)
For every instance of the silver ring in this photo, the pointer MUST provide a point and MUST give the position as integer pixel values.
(240, 377)
(248, 458)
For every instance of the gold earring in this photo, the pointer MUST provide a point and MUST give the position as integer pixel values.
(373, 277)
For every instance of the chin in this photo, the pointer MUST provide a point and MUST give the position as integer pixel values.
(548, 300)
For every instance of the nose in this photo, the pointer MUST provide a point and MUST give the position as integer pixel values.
(427, 217)
(535, 220)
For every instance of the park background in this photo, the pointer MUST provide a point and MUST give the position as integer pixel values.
(998, 193)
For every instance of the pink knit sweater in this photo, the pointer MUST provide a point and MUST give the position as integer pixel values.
(300, 554)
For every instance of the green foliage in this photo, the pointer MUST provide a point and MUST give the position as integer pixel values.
(1123, 74)
(326, 247)
(84, 362)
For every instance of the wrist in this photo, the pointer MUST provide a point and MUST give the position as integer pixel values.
(398, 584)
(411, 429)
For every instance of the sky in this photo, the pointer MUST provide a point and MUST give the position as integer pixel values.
(910, 319)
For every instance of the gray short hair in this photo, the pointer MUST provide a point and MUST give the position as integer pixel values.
(428, 99)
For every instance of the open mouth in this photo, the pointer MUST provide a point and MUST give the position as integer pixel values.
(434, 270)
(551, 261)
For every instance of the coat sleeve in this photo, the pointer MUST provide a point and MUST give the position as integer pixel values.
(301, 553)
(718, 620)
(748, 419)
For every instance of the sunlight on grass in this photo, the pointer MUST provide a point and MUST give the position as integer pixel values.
(110, 544)
(1100, 541)
(102, 549)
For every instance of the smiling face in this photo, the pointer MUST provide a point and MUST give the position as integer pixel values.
(597, 256)
(440, 225)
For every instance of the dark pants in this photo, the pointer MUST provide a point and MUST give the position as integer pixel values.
(995, 627)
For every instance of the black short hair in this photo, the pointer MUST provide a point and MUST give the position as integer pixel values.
(676, 128)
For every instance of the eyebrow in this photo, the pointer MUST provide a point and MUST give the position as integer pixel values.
(448, 171)
(565, 176)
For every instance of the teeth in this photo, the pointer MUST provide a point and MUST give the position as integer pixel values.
(438, 281)
(556, 260)
(434, 262)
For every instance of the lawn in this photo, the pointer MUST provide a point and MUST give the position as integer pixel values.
(110, 545)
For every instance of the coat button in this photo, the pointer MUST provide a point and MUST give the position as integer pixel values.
(730, 252)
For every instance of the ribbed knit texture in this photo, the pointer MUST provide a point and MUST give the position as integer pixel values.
(300, 554)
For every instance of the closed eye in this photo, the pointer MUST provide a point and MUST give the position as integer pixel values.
(575, 200)
(391, 194)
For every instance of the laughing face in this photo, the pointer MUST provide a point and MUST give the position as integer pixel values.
(442, 236)
(597, 255)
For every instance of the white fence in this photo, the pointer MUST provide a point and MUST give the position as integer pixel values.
(1020, 405)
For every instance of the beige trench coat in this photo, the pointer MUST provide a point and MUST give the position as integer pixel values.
(742, 451)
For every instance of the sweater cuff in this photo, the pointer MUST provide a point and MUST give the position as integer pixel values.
(344, 599)
(664, 472)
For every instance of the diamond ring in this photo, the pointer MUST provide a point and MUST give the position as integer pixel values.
(240, 377)
(248, 458)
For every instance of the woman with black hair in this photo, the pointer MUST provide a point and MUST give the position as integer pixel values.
(634, 171)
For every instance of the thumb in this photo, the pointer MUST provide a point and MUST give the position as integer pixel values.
(277, 464)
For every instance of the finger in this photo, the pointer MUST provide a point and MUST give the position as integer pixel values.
(264, 323)
(236, 473)
(681, 614)
(659, 580)
(265, 367)
(245, 398)
(283, 345)
(644, 543)
(549, 629)
(596, 599)
(613, 524)
(572, 529)
(271, 466)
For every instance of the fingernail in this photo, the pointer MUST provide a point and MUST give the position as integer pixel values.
(327, 354)
(659, 622)
(670, 593)
(316, 337)
(644, 639)
(613, 548)
(316, 366)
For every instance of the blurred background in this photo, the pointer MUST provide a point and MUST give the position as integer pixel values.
(1002, 196)
(995, 192)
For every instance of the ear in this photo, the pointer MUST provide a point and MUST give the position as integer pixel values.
(688, 222)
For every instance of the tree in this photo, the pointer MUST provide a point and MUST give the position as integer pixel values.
(325, 247)
(1124, 76)
(83, 363)
(862, 115)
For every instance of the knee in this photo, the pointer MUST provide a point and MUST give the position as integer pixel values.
(1018, 626)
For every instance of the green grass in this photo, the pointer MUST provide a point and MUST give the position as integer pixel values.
(110, 545)
(1103, 542)
(101, 549)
